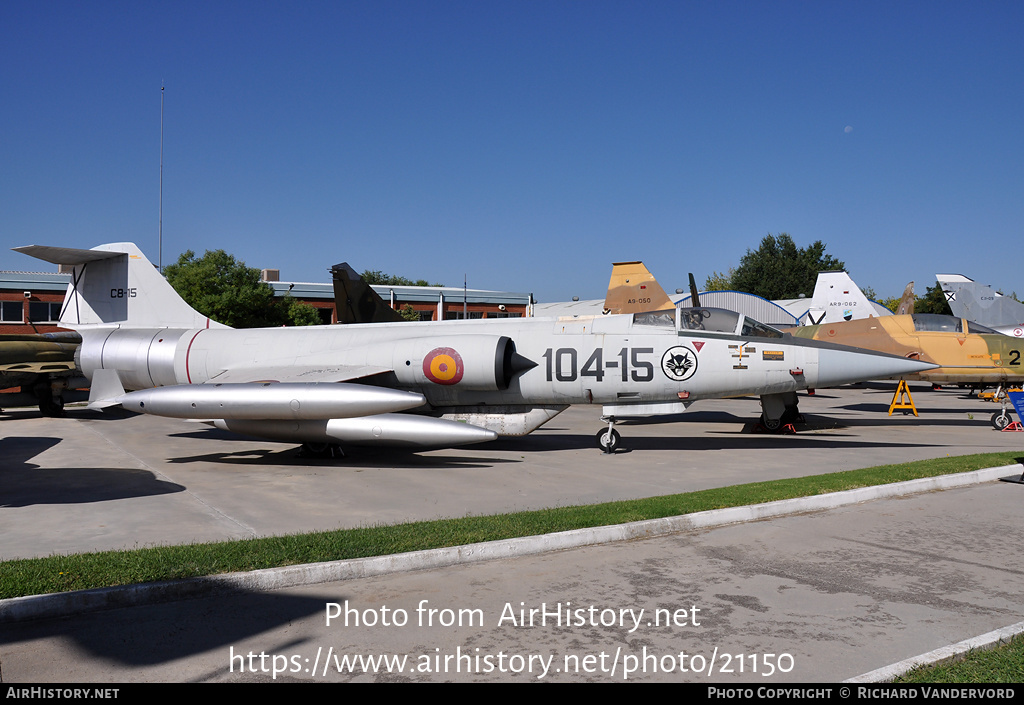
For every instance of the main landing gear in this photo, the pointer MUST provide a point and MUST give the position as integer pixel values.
(51, 405)
(779, 411)
(321, 450)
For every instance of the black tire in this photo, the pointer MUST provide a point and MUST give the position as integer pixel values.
(52, 406)
(321, 450)
(1001, 420)
(608, 442)
(771, 424)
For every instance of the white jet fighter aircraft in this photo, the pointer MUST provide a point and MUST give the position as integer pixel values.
(432, 384)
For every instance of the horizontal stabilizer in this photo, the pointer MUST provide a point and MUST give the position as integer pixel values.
(114, 284)
(65, 255)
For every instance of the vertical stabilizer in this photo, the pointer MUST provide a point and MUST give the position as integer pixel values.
(633, 289)
(356, 301)
(115, 284)
(906, 304)
(837, 298)
(982, 304)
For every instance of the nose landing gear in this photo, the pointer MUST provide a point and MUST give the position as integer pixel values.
(608, 438)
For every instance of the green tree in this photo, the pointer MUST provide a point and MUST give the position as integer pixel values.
(377, 277)
(409, 313)
(780, 270)
(299, 313)
(890, 302)
(933, 301)
(719, 282)
(223, 288)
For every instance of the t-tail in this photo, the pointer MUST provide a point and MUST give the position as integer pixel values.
(114, 285)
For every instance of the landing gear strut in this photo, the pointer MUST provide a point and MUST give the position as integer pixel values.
(321, 450)
(608, 438)
(51, 405)
(1001, 419)
(779, 411)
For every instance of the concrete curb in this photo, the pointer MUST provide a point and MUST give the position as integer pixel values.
(940, 655)
(61, 604)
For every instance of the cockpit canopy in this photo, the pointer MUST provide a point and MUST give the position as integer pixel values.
(711, 320)
(935, 322)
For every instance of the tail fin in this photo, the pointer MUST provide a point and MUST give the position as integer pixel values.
(115, 284)
(633, 289)
(906, 304)
(837, 298)
(977, 302)
(356, 301)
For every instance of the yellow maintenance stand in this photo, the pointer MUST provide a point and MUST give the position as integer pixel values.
(897, 399)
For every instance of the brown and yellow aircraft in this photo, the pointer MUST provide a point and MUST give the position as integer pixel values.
(43, 366)
(968, 353)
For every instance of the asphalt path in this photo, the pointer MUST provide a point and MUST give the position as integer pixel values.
(819, 597)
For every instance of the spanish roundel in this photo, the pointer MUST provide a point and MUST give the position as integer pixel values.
(443, 366)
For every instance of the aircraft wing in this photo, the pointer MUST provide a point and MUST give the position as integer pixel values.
(37, 367)
(297, 374)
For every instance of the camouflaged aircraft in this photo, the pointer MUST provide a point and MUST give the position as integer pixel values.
(633, 289)
(419, 385)
(966, 353)
(977, 302)
(43, 366)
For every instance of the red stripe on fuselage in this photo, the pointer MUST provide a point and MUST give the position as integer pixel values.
(188, 374)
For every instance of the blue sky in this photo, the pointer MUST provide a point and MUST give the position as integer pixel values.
(527, 145)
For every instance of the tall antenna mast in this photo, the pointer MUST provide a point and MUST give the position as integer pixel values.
(160, 226)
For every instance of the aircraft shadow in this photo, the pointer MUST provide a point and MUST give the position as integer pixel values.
(150, 635)
(355, 457)
(23, 483)
(722, 440)
(981, 414)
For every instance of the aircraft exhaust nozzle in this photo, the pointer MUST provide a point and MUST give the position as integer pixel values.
(277, 401)
(385, 430)
(518, 364)
(841, 365)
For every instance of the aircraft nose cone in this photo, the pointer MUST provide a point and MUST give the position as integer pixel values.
(843, 366)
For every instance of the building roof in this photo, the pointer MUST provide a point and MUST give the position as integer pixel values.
(43, 281)
(34, 281)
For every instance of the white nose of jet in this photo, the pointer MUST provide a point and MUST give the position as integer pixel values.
(845, 365)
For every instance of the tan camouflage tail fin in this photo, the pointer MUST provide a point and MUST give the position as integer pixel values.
(906, 304)
(633, 289)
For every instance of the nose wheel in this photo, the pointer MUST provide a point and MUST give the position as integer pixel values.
(1000, 420)
(608, 438)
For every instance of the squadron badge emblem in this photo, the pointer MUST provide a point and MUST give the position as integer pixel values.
(679, 363)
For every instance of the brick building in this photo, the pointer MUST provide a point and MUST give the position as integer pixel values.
(30, 302)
